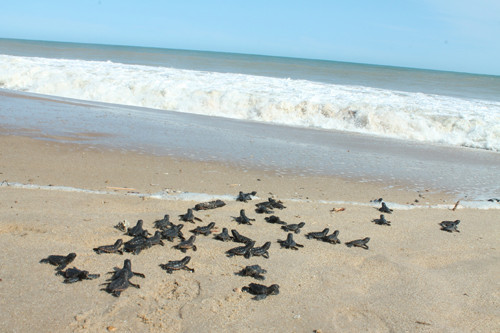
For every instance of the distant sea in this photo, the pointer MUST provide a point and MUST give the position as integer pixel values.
(445, 108)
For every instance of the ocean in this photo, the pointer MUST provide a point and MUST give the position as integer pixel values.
(412, 128)
(454, 109)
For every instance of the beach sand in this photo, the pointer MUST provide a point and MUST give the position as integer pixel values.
(413, 278)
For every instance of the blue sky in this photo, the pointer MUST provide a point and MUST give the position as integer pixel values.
(454, 35)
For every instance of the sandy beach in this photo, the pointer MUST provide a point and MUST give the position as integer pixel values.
(414, 277)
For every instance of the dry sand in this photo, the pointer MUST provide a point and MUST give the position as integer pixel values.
(414, 277)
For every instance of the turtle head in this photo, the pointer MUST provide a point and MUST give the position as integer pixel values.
(274, 289)
(301, 224)
(266, 246)
(71, 256)
(127, 264)
(118, 242)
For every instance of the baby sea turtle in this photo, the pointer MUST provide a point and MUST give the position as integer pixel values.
(206, 230)
(243, 219)
(239, 238)
(115, 248)
(223, 236)
(187, 244)
(264, 209)
(210, 205)
(293, 227)
(245, 196)
(274, 219)
(254, 271)
(259, 251)
(189, 216)
(260, 291)
(450, 226)
(359, 243)
(176, 265)
(240, 250)
(318, 235)
(173, 232)
(143, 243)
(60, 261)
(385, 209)
(137, 230)
(381, 220)
(289, 243)
(127, 268)
(333, 238)
(120, 283)
(72, 275)
(163, 223)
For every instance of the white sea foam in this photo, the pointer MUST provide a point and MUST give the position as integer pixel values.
(199, 197)
(403, 115)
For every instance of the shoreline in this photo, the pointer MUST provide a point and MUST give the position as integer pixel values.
(414, 277)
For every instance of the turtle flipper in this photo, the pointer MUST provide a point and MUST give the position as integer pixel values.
(260, 297)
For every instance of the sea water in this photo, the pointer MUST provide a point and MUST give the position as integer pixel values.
(402, 127)
(454, 109)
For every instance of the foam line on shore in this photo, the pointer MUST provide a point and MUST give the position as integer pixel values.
(175, 195)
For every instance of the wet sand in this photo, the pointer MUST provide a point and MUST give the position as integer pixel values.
(414, 277)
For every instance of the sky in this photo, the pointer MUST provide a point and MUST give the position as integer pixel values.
(453, 35)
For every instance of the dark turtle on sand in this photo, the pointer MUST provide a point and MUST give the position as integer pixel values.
(245, 196)
(209, 205)
(144, 243)
(240, 250)
(223, 236)
(115, 248)
(450, 226)
(385, 209)
(289, 243)
(239, 238)
(243, 219)
(264, 209)
(137, 230)
(381, 220)
(127, 268)
(276, 204)
(72, 275)
(318, 235)
(333, 238)
(260, 291)
(120, 283)
(189, 216)
(187, 244)
(176, 265)
(163, 223)
(206, 230)
(359, 243)
(254, 271)
(60, 261)
(293, 227)
(173, 232)
(259, 251)
(274, 219)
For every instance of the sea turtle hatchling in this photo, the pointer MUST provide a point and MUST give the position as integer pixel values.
(127, 267)
(120, 283)
(385, 209)
(163, 223)
(175, 265)
(173, 232)
(189, 216)
(137, 230)
(209, 205)
(74, 274)
(332, 239)
(240, 250)
(254, 271)
(260, 291)
(259, 251)
(60, 261)
(245, 196)
(223, 236)
(144, 243)
(293, 227)
(115, 248)
(289, 243)
(206, 230)
(359, 243)
(187, 244)
(318, 235)
(239, 238)
(450, 226)
(381, 221)
(243, 219)
(264, 209)
(274, 219)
